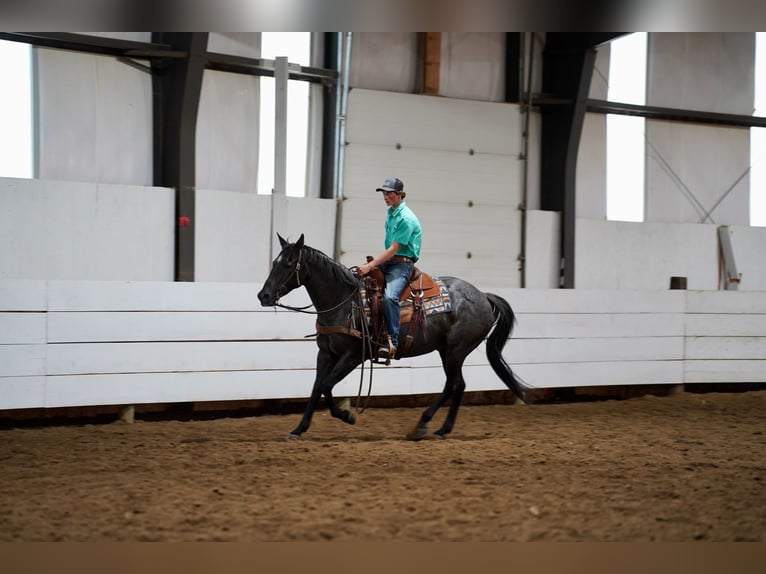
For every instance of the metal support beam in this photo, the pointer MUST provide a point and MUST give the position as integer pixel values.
(514, 70)
(331, 101)
(266, 67)
(731, 277)
(567, 71)
(280, 126)
(675, 114)
(177, 85)
(94, 44)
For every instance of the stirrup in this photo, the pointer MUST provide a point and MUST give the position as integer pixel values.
(386, 353)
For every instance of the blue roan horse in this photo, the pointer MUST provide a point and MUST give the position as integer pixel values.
(334, 289)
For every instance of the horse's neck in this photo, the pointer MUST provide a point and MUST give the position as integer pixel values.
(327, 293)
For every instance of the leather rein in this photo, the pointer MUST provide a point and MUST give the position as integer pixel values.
(296, 271)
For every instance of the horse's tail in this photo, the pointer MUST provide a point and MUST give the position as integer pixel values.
(504, 323)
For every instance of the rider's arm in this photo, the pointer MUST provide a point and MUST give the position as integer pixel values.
(383, 257)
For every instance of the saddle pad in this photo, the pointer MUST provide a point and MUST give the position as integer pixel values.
(436, 300)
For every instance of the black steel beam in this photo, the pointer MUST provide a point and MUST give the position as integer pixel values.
(94, 44)
(149, 50)
(568, 61)
(177, 85)
(676, 115)
(513, 67)
(265, 67)
(329, 118)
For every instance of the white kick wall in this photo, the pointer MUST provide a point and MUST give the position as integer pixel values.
(75, 343)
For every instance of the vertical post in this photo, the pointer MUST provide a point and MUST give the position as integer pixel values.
(177, 85)
(514, 67)
(280, 125)
(316, 125)
(567, 71)
(279, 192)
(346, 71)
(330, 103)
(432, 63)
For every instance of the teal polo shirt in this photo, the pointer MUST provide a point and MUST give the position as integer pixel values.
(403, 227)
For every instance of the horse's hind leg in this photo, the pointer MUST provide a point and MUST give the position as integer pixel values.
(457, 397)
(453, 388)
(421, 429)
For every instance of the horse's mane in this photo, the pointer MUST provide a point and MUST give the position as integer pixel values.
(337, 270)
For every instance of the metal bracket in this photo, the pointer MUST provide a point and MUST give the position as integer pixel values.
(731, 276)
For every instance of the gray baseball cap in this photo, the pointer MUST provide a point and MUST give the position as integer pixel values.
(392, 184)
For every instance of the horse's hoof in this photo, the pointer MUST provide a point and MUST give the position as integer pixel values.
(350, 418)
(437, 436)
(292, 436)
(417, 433)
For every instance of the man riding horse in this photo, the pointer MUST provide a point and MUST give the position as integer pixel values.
(402, 250)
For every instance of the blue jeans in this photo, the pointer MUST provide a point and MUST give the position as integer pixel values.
(397, 274)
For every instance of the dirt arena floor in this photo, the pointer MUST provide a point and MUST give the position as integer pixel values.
(679, 468)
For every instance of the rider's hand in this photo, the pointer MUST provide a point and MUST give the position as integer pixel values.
(364, 269)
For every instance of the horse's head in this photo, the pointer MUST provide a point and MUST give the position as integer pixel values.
(285, 273)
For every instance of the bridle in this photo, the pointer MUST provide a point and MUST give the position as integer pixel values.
(296, 271)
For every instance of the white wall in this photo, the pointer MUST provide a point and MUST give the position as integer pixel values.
(228, 119)
(693, 170)
(94, 119)
(624, 255)
(711, 72)
(76, 230)
(384, 61)
(76, 343)
(236, 232)
(472, 66)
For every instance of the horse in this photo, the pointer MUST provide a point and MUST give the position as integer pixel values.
(334, 290)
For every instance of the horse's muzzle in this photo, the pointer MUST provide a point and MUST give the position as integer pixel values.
(267, 298)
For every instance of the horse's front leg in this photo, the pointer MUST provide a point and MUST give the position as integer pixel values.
(331, 369)
(316, 394)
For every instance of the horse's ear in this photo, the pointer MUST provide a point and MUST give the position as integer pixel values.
(299, 243)
(282, 241)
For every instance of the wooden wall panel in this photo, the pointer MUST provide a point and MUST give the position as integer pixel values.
(22, 328)
(22, 392)
(23, 295)
(104, 358)
(22, 360)
(725, 337)
(97, 327)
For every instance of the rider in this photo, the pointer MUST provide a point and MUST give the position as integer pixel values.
(402, 243)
